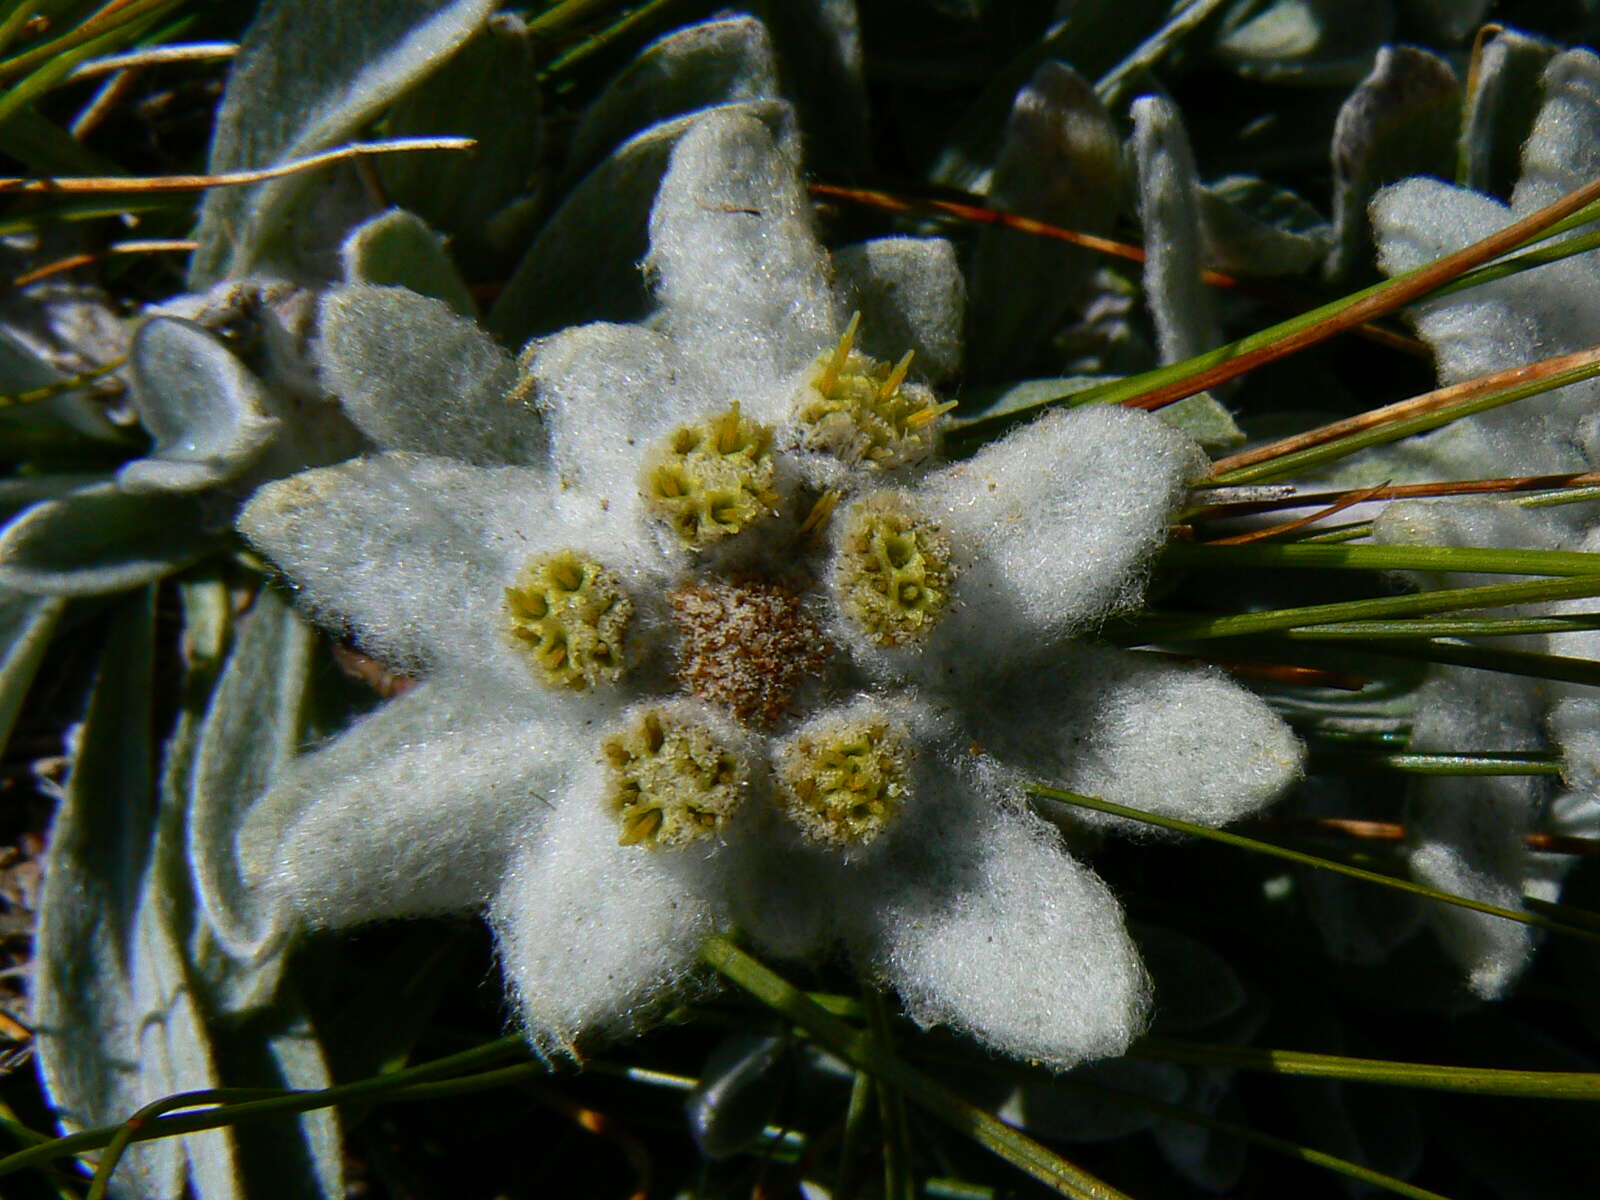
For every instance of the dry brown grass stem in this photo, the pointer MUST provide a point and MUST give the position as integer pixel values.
(978, 214)
(93, 184)
(1428, 402)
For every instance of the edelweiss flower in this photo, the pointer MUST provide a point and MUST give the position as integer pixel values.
(1468, 834)
(735, 650)
(1512, 321)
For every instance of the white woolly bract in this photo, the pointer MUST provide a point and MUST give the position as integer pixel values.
(607, 393)
(741, 278)
(592, 935)
(1523, 317)
(1467, 833)
(1053, 529)
(1185, 742)
(1493, 951)
(910, 294)
(413, 374)
(414, 554)
(985, 923)
(411, 810)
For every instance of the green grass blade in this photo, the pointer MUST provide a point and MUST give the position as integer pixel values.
(1441, 764)
(1567, 669)
(86, 31)
(1164, 385)
(1164, 627)
(1147, 53)
(859, 1049)
(1483, 1081)
(1300, 461)
(1351, 631)
(1276, 555)
(283, 1104)
(1529, 260)
(1074, 800)
(49, 74)
(899, 1183)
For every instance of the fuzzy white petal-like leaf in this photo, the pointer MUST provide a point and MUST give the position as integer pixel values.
(412, 553)
(987, 925)
(414, 375)
(740, 275)
(410, 811)
(911, 296)
(1184, 742)
(584, 265)
(592, 934)
(1055, 527)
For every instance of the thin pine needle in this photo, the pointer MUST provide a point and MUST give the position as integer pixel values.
(145, 184)
(1406, 417)
(1485, 1081)
(1069, 800)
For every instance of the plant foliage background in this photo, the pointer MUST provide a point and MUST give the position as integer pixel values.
(166, 354)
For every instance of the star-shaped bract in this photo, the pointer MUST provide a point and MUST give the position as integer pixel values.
(615, 815)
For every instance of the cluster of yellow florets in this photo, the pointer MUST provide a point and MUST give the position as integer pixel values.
(861, 410)
(570, 613)
(712, 479)
(748, 644)
(672, 780)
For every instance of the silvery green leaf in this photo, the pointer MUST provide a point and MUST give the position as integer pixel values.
(397, 249)
(172, 1047)
(308, 76)
(1205, 419)
(584, 265)
(1074, 1114)
(1092, 35)
(66, 421)
(1502, 101)
(1174, 288)
(1195, 987)
(103, 539)
(21, 491)
(414, 375)
(819, 55)
(252, 727)
(27, 623)
(208, 414)
(712, 63)
(737, 1094)
(488, 91)
(1209, 1161)
(101, 844)
(1401, 120)
(1061, 163)
(301, 1158)
(1309, 42)
(1445, 21)
(911, 296)
(1200, 416)
(1256, 228)
(1025, 398)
